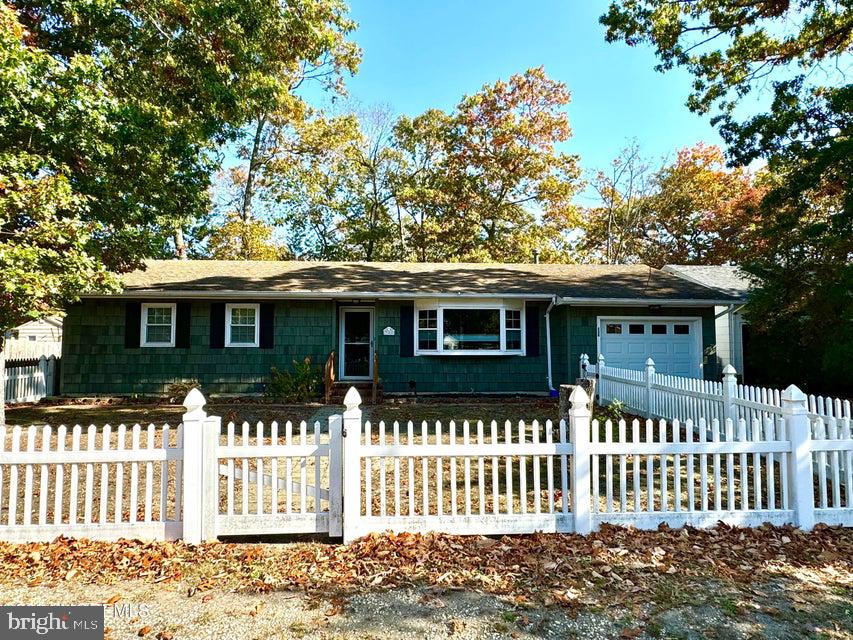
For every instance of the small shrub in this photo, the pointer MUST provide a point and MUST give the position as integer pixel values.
(615, 411)
(177, 391)
(300, 385)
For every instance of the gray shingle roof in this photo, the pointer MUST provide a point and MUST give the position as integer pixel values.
(726, 278)
(218, 277)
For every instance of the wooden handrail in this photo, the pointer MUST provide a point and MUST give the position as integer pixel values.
(375, 374)
(329, 377)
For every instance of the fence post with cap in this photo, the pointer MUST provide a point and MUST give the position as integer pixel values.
(352, 430)
(579, 426)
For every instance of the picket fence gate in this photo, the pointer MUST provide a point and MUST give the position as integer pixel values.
(351, 477)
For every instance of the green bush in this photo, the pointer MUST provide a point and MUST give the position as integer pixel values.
(615, 411)
(177, 391)
(300, 385)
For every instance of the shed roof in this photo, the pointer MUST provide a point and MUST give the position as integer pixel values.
(215, 278)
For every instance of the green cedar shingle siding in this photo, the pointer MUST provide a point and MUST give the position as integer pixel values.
(95, 360)
(455, 374)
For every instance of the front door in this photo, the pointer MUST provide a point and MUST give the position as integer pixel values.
(356, 343)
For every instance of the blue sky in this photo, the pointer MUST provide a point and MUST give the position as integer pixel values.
(419, 55)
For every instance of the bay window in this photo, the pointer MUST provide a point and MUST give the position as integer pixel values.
(470, 329)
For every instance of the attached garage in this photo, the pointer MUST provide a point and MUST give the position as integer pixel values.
(675, 344)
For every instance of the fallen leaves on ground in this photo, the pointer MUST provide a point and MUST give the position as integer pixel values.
(567, 570)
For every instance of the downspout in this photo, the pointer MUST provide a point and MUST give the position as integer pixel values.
(548, 343)
(731, 327)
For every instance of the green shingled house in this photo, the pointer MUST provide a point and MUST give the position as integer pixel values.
(432, 328)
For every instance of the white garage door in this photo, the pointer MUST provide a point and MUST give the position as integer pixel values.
(674, 345)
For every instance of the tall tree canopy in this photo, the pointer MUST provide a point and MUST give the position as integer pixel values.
(484, 182)
(119, 107)
(110, 113)
(802, 258)
(692, 210)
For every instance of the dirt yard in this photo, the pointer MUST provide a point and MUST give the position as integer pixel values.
(430, 409)
(720, 583)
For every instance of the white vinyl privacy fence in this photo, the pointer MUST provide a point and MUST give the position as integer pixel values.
(349, 477)
(30, 380)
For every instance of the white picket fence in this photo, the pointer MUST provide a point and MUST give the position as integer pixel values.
(659, 395)
(396, 478)
(113, 490)
(30, 380)
(351, 477)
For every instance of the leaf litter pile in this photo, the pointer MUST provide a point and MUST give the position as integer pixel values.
(623, 565)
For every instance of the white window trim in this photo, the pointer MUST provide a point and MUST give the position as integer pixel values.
(342, 345)
(228, 309)
(143, 323)
(440, 305)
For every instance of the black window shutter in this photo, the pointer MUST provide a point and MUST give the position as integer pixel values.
(182, 325)
(531, 329)
(132, 324)
(217, 325)
(407, 330)
(267, 331)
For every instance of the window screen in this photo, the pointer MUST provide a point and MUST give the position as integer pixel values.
(158, 325)
(242, 325)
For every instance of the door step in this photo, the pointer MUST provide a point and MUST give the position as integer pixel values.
(365, 390)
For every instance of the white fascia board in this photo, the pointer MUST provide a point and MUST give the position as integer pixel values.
(641, 302)
(384, 295)
(317, 295)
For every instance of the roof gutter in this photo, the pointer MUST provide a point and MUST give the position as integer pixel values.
(385, 295)
(313, 295)
(644, 302)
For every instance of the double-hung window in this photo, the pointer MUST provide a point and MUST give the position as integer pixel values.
(513, 329)
(470, 329)
(428, 329)
(158, 325)
(242, 326)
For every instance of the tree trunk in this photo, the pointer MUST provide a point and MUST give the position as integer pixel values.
(2, 378)
(402, 235)
(180, 244)
(249, 191)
